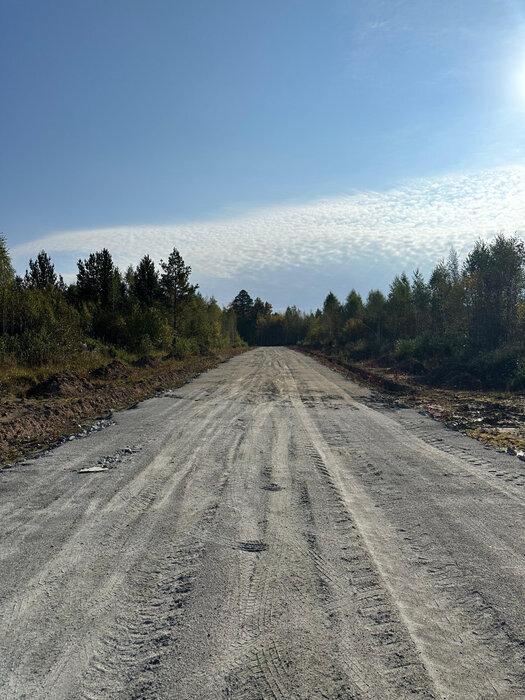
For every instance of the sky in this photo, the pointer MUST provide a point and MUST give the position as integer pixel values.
(288, 147)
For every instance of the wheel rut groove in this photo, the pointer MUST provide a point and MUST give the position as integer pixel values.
(270, 534)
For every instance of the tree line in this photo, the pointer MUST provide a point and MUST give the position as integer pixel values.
(463, 327)
(143, 310)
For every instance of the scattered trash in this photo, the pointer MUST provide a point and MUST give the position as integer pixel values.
(89, 470)
(108, 462)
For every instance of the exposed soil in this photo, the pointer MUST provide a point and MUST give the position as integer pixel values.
(494, 418)
(269, 531)
(68, 403)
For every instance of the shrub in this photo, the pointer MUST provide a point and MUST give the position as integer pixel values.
(184, 347)
(518, 380)
(405, 347)
(498, 368)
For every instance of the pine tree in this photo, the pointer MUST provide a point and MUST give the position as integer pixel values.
(146, 282)
(41, 273)
(175, 283)
(96, 279)
(353, 306)
(246, 319)
(332, 317)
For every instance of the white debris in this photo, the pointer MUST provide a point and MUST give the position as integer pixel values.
(89, 470)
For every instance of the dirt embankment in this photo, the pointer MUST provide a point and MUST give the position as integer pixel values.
(67, 402)
(494, 418)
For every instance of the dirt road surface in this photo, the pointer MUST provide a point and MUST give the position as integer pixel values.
(270, 530)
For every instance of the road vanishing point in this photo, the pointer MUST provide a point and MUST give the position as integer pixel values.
(269, 530)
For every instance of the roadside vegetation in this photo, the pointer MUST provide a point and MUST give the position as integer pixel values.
(453, 345)
(463, 328)
(48, 326)
(70, 354)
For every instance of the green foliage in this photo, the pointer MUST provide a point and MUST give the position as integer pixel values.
(405, 347)
(147, 329)
(517, 382)
(42, 321)
(353, 307)
(7, 273)
(501, 367)
(99, 281)
(40, 326)
(41, 273)
(146, 286)
(332, 317)
(246, 315)
(184, 347)
(466, 325)
(176, 286)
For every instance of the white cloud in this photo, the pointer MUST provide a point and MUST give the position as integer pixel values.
(333, 240)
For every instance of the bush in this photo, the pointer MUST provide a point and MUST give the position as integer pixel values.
(405, 347)
(497, 369)
(147, 329)
(518, 380)
(184, 347)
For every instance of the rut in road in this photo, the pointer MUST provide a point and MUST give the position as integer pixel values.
(267, 531)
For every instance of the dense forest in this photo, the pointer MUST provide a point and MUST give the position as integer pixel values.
(464, 326)
(145, 310)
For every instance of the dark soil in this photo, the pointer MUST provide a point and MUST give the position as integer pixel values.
(66, 403)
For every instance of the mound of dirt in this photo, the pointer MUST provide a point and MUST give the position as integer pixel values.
(69, 402)
(62, 384)
(115, 370)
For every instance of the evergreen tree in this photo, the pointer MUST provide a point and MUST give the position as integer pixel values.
(332, 317)
(146, 282)
(96, 280)
(242, 305)
(175, 284)
(353, 306)
(41, 273)
(494, 288)
(375, 312)
(400, 311)
(421, 301)
(261, 308)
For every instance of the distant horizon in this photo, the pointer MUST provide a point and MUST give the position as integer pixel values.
(295, 254)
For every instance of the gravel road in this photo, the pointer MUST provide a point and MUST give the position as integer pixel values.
(270, 530)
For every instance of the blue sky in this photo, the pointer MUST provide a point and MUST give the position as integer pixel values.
(284, 146)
